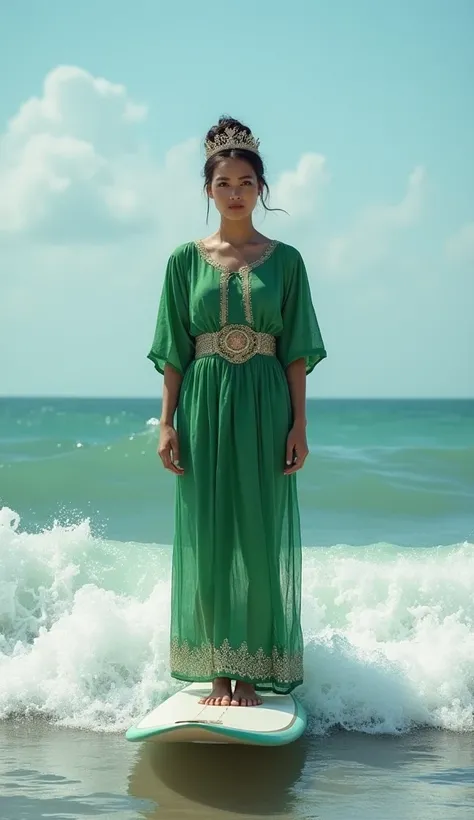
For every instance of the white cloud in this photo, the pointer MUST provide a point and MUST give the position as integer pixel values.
(459, 247)
(75, 102)
(74, 169)
(70, 164)
(371, 236)
(299, 191)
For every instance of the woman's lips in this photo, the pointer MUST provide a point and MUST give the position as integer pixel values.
(235, 207)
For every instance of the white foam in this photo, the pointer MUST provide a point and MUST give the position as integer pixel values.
(389, 637)
(84, 632)
(153, 422)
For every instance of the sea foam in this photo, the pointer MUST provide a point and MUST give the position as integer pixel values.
(84, 630)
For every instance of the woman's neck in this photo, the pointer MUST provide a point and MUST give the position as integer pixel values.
(237, 233)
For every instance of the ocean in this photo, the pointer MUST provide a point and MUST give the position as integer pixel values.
(86, 524)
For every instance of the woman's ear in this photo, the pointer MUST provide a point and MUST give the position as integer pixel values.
(209, 192)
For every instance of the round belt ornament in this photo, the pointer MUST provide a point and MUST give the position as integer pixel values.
(237, 343)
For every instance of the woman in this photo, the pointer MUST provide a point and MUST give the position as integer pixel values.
(236, 336)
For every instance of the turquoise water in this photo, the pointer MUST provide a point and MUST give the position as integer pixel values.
(379, 471)
(388, 593)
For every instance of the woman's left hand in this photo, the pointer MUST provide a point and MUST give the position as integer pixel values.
(296, 449)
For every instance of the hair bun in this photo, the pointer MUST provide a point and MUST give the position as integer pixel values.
(225, 121)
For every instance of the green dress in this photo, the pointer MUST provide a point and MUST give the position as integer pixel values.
(236, 573)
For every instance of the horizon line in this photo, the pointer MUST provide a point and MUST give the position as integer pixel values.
(154, 397)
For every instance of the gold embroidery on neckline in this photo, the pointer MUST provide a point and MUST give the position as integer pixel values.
(206, 255)
(243, 272)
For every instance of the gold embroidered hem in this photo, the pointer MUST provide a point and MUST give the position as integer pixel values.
(280, 669)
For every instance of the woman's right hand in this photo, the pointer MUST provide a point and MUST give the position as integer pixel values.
(168, 449)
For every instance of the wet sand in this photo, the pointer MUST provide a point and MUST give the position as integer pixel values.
(66, 773)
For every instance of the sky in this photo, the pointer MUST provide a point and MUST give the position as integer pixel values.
(365, 114)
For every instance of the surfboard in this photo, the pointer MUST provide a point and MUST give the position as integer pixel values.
(181, 718)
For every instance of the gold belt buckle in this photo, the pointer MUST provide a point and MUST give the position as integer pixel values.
(237, 343)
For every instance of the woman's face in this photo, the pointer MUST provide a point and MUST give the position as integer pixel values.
(234, 188)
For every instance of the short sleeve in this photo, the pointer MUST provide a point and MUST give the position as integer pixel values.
(172, 342)
(301, 336)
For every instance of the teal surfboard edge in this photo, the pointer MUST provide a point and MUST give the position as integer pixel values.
(253, 738)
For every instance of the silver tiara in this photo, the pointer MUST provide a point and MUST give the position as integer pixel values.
(231, 137)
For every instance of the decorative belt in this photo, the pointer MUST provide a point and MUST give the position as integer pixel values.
(236, 343)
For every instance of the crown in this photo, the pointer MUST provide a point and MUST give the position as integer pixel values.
(231, 137)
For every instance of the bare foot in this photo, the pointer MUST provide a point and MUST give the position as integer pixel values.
(220, 695)
(245, 695)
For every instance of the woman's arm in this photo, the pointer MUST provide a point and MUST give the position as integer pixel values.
(168, 447)
(296, 445)
(171, 387)
(296, 377)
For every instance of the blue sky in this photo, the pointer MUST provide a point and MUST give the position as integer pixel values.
(365, 114)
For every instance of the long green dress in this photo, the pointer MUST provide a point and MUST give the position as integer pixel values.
(236, 576)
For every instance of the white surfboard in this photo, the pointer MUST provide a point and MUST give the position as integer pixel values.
(181, 718)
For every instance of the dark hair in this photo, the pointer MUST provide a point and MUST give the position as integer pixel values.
(253, 159)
